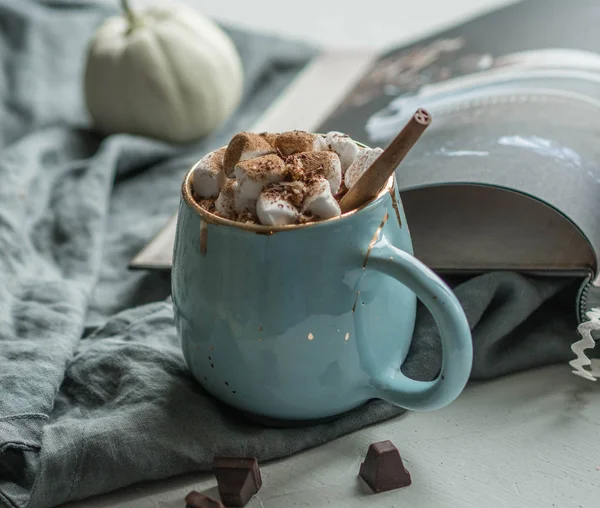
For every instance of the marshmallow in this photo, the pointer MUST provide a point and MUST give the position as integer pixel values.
(208, 177)
(269, 137)
(344, 146)
(320, 201)
(292, 142)
(253, 175)
(319, 144)
(225, 203)
(303, 165)
(244, 146)
(276, 205)
(362, 162)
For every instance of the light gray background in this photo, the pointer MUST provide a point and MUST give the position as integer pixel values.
(529, 440)
(342, 23)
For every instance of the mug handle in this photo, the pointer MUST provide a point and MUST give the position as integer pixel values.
(391, 384)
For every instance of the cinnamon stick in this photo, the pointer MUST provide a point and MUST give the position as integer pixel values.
(376, 176)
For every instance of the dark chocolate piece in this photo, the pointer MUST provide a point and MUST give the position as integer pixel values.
(196, 500)
(238, 479)
(383, 468)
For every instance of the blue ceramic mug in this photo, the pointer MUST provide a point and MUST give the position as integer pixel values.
(307, 321)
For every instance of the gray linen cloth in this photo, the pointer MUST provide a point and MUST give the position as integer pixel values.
(94, 392)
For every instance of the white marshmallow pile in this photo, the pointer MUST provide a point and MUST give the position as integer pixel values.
(360, 164)
(343, 146)
(288, 143)
(319, 201)
(244, 146)
(326, 164)
(208, 175)
(252, 176)
(280, 179)
(279, 204)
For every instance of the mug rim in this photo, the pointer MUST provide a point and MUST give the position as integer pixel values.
(211, 218)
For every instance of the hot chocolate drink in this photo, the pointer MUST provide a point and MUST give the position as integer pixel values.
(279, 179)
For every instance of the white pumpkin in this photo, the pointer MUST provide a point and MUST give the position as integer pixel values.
(167, 73)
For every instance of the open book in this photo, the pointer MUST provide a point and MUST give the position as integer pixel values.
(507, 177)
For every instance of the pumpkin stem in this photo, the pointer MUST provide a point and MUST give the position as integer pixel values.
(131, 16)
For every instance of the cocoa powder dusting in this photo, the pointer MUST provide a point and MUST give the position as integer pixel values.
(294, 168)
(269, 137)
(254, 168)
(246, 217)
(294, 141)
(207, 203)
(294, 192)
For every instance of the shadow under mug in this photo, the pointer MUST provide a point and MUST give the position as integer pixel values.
(308, 321)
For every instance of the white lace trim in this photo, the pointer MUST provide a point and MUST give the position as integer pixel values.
(585, 329)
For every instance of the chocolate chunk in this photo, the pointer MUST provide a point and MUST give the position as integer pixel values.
(383, 468)
(238, 479)
(196, 500)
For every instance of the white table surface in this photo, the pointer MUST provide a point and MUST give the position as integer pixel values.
(529, 440)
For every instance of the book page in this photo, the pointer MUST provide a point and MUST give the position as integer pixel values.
(472, 228)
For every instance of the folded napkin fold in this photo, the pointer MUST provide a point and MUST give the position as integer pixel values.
(94, 392)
